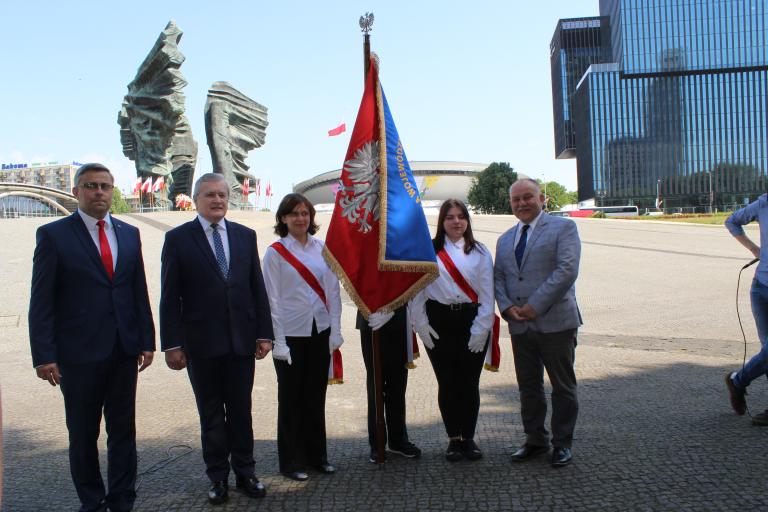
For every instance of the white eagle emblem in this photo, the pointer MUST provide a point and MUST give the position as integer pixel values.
(360, 199)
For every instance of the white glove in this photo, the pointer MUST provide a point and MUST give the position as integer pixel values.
(427, 335)
(335, 341)
(377, 320)
(477, 342)
(281, 351)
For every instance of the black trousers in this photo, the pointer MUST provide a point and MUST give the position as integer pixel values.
(556, 353)
(456, 368)
(301, 388)
(394, 376)
(88, 389)
(222, 387)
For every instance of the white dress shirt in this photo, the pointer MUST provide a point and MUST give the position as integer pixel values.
(531, 227)
(477, 269)
(294, 304)
(93, 230)
(222, 229)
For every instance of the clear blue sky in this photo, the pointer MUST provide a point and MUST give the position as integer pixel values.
(467, 81)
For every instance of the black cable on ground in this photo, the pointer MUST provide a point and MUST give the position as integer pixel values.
(164, 462)
(741, 326)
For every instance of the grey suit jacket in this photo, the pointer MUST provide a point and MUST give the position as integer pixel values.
(546, 278)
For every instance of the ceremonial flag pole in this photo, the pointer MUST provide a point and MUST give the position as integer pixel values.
(378, 241)
(366, 24)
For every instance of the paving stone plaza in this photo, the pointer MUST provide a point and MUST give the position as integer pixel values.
(655, 430)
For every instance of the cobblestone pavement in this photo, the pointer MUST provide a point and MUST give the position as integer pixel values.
(655, 430)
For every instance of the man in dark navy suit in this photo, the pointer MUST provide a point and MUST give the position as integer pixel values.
(214, 319)
(91, 331)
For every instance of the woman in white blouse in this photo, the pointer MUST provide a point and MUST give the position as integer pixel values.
(454, 320)
(306, 318)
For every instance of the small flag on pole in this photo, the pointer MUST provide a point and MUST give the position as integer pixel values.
(159, 184)
(338, 130)
(246, 186)
(147, 186)
(137, 186)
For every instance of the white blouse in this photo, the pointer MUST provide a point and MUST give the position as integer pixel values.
(292, 300)
(477, 269)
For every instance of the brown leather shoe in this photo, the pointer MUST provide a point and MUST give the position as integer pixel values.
(738, 402)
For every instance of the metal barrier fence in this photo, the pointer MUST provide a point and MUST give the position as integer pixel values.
(689, 210)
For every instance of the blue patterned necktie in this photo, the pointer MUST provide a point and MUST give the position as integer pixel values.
(221, 259)
(520, 249)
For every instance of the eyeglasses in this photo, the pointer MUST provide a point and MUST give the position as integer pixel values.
(92, 185)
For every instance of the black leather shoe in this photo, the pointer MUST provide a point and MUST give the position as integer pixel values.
(251, 486)
(372, 457)
(528, 451)
(561, 457)
(738, 402)
(406, 449)
(325, 468)
(454, 451)
(299, 476)
(760, 419)
(218, 493)
(470, 450)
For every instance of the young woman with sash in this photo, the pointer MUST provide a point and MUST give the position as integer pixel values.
(454, 317)
(306, 318)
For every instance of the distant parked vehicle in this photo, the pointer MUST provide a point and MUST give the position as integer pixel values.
(609, 211)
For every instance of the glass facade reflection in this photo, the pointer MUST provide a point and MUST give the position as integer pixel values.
(577, 44)
(681, 113)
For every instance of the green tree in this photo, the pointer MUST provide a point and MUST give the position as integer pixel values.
(489, 192)
(119, 204)
(557, 195)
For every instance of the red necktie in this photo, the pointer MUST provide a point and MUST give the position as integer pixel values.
(106, 252)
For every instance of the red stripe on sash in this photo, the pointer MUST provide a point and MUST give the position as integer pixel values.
(303, 271)
(493, 354)
(336, 370)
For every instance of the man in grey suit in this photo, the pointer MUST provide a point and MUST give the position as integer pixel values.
(537, 263)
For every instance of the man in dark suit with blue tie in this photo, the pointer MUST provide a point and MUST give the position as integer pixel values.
(91, 331)
(214, 319)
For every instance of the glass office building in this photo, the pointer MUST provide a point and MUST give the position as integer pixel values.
(679, 114)
(577, 44)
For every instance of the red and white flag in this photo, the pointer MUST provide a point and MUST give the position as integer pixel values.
(246, 186)
(146, 187)
(137, 185)
(338, 130)
(268, 191)
(159, 184)
(258, 188)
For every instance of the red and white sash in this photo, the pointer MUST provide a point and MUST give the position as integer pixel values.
(335, 369)
(493, 353)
